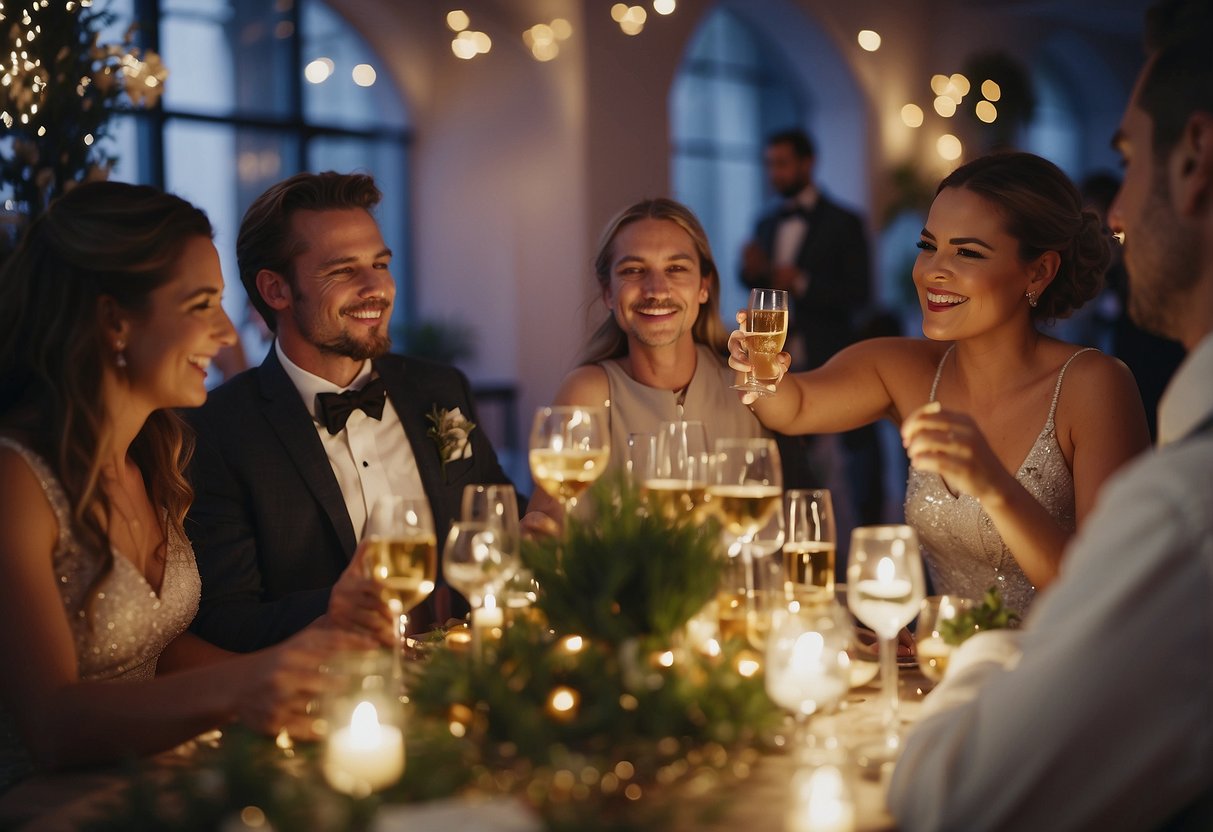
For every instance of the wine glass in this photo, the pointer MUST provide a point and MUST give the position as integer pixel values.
(765, 330)
(744, 490)
(806, 667)
(676, 478)
(477, 560)
(884, 589)
(402, 555)
(809, 548)
(569, 449)
(641, 449)
(941, 626)
(497, 506)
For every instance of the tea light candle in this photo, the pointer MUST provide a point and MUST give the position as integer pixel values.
(459, 639)
(885, 587)
(806, 679)
(365, 755)
(820, 802)
(488, 616)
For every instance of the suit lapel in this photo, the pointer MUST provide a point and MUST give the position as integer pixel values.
(293, 423)
(412, 405)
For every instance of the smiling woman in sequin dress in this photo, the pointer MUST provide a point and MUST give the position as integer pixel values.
(1005, 459)
(109, 315)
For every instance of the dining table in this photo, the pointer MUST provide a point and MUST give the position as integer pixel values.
(759, 795)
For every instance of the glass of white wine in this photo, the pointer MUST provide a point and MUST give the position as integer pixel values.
(885, 587)
(942, 624)
(810, 544)
(569, 449)
(676, 478)
(744, 491)
(402, 555)
(765, 330)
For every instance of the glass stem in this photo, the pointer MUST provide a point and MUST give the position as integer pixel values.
(888, 689)
(747, 563)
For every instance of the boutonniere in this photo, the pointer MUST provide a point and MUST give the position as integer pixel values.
(450, 431)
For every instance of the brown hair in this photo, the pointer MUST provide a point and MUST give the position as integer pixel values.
(1043, 211)
(102, 239)
(610, 341)
(265, 240)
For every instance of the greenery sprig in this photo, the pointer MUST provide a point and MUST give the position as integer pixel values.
(625, 574)
(990, 614)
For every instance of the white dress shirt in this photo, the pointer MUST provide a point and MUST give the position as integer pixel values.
(790, 231)
(1105, 722)
(371, 458)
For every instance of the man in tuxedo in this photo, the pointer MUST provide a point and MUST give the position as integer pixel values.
(817, 250)
(814, 248)
(291, 455)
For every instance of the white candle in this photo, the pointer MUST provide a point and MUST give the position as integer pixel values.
(886, 586)
(820, 802)
(488, 616)
(365, 755)
(806, 683)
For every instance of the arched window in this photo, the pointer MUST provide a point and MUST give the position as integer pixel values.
(259, 90)
(730, 93)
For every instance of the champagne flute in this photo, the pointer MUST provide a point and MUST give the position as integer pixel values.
(569, 449)
(477, 560)
(809, 550)
(495, 505)
(676, 478)
(641, 449)
(744, 491)
(885, 587)
(402, 555)
(765, 330)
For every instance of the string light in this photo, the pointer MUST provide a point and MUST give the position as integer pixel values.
(869, 40)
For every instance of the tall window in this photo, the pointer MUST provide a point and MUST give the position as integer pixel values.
(730, 93)
(259, 90)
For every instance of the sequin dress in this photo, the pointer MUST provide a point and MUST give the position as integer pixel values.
(121, 635)
(963, 551)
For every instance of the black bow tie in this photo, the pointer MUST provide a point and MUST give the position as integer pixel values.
(334, 409)
(793, 210)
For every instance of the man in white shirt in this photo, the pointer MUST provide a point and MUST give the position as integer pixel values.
(1102, 718)
(293, 454)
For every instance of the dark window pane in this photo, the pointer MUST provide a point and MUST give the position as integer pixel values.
(228, 57)
(346, 83)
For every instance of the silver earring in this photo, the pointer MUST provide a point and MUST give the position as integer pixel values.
(1031, 296)
(120, 356)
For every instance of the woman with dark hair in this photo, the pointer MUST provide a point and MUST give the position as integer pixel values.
(1004, 466)
(109, 316)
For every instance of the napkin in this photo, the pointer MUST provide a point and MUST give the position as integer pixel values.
(969, 665)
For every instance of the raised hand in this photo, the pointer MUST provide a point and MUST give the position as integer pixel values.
(739, 359)
(950, 444)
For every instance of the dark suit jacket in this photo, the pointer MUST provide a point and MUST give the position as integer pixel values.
(270, 529)
(834, 255)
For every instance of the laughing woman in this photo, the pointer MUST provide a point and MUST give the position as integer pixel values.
(109, 316)
(1005, 460)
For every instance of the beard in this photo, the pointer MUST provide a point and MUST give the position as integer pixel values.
(1159, 257)
(371, 344)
